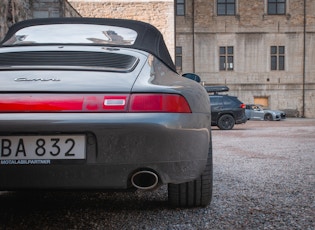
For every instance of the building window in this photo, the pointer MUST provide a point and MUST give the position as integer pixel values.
(178, 58)
(277, 57)
(226, 7)
(276, 7)
(180, 7)
(226, 58)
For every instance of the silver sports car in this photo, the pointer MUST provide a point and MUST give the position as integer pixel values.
(89, 103)
(257, 112)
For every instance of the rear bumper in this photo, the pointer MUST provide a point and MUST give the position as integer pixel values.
(105, 177)
(175, 146)
(241, 120)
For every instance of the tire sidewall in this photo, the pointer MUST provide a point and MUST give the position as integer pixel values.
(268, 117)
(224, 119)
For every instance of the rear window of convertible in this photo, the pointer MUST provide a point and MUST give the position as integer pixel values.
(73, 34)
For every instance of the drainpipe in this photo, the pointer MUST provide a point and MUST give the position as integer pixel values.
(304, 61)
(193, 33)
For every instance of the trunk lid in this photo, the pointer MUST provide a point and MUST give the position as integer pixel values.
(70, 69)
(65, 81)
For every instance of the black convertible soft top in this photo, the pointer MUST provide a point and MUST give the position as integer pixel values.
(149, 38)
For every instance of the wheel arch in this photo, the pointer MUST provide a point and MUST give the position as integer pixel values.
(225, 113)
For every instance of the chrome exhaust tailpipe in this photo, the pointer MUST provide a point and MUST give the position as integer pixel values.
(144, 180)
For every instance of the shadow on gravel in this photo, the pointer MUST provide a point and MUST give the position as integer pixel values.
(73, 209)
(58, 201)
(92, 210)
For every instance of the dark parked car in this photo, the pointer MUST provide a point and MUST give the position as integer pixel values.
(89, 103)
(226, 111)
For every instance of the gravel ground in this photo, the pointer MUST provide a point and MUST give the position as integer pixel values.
(263, 179)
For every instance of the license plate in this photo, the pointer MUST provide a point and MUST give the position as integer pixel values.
(54, 147)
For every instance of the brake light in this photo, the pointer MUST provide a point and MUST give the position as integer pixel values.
(243, 106)
(93, 103)
(171, 103)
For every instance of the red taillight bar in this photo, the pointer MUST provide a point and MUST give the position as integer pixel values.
(243, 106)
(39, 103)
(93, 103)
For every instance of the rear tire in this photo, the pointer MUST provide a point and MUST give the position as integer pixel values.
(196, 193)
(226, 122)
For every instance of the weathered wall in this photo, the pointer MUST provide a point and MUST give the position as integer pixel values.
(69, 11)
(251, 32)
(12, 11)
(47, 8)
(159, 13)
(52, 9)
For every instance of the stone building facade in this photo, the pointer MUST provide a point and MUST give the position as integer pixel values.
(12, 11)
(203, 34)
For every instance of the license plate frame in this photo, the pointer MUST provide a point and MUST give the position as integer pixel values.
(43, 147)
